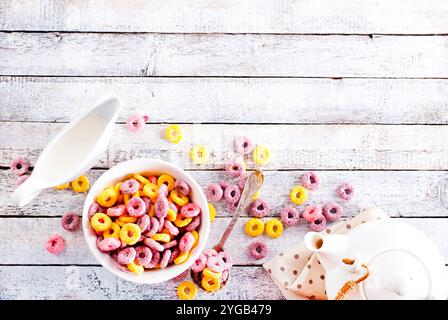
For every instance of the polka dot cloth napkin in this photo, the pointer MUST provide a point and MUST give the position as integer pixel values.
(297, 271)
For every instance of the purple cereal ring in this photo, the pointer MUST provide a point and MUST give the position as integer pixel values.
(154, 261)
(182, 187)
(289, 216)
(190, 210)
(223, 184)
(165, 259)
(170, 244)
(116, 211)
(199, 264)
(161, 207)
(174, 254)
(232, 207)
(311, 211)
(161, 224)
(130, 186)
(143, 255)
(258, 250)
(55, 244)
(317, 223)
(136, 207)
(214, 192)
(259, 208)
(345, 191)
(172, 229)
(210, 253)
(153, 244)
(126, 255)
(232, 193)
(144, 222)
(94, 208)
(235, 169)
(162, 191)
(214, 264)
(186, 242)
(310, 181)
(153, 228)
(332, 211)
(19, 166)
(225, 260)
(21, 180)
(242, 145)
(70, 221)
(193, 224)
(135, 123)
(147, 203)
(109, 244)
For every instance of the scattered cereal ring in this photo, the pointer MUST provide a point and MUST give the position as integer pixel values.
(161, 207)
(126, 255)
(210, 284)
(214, 264)
(166, 179)
(153, 244)
(178, 198)
(62, 186)
(136, 207)
(130, 233)
(254, 227)
(345, 191)
(196, 237)
(161, 237)
(242, 145)
(258, 250)
(199, 264)
(19, 166)
(225, 259)
(130, 186)
(144, 222)
(311, 211)
(310, 181)
(186, 242)
(170, 244)
(190, 210)
(289, 216)
(211, 274)
(210, 253)
(187, 290)
(21, 179)
(317, 223)
(261, 155)
(232, 194)
(107, 198)
(165, 259)
(171, 228)
(182, 187)
(162, 191)
(259, 208)
(214, 192)
(135, 123)
(116, 211)
(255, 196)
(146, 118)
(199, 154)
(173, 133)
(182, 257)
(113, 231)
(223, 184)
(100, 222)
(81, 184)
(235, 169)
(232, 206)
(274, 228)
(70, 221)
(193, 224)
(55, 244)
(109, 244)
(143, 255)
(135, 268)
(332, 211)
(212, 211)
(298, 195)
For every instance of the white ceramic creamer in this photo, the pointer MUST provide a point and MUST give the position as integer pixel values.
(73, 151)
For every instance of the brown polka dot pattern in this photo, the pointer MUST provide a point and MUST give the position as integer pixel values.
(322, 276)
(296, 256)
(282, 268)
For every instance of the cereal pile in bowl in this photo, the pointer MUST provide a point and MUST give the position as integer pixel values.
(146, 222)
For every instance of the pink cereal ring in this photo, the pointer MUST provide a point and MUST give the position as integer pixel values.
(225, 260)
(121, 267)
(165, 259)
(232, 193)
(130, 186)
(345, 191)
(162, 191)
(232, 206)
(259, 208)
(153, 244)
(21, 180)
(19, 166)
(161, 224)
(193, 224)
(109, 244)
(173, 207)
(242, 182)
(190, 210)
(147, 202)
(143, 255)
(289, 216)
(310, 181)
(153, 227)
(116, 211)
(161, 207)
(186, 242)
(225, 276)
(235, 169)
(70, 221)
(182, 187)
(174, 254)
(98, 241)
(172, 229)
(146, 118)
(94, 208)
(144, 222)
(126, 255)
(258, 250)
(214, 192)
(317, 223)
(210, 253)
(332, 211)
(136, 207)
(311, 211)
(154, 261)
(199, 264)
(170, 244)
(135, 123)
(223, 184)
(214, 264)
(242, 145)
(55, 244)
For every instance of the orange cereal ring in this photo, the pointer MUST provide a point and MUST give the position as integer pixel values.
(210, 284)
(81, 184)
(187, 290)
(182, 221)
(166, 179)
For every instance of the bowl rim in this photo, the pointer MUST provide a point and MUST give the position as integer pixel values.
(119, 171)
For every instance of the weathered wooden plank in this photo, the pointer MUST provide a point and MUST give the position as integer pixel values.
(232, 100)
(72, 282)
(270, 16)
(400, 193)
(96, 54)
(292, 146)
(19, 247)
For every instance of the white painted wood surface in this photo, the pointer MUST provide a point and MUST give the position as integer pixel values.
(354, 90)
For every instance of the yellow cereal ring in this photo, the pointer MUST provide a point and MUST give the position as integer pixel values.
(199, 154)
(182, 221)
(212, 210)
(171, 215)
(141, 179)
(135, 268)
(261, 155)
(117, 189)
(130, 233)
(173, 133)
(196, 238)
(254, 227)
(298, 195)
(63, 186)
(81, 184)
(107, 198)
(100, 222)
(126, 198)
(178, 198)
(210, 284)
(255, 196)
(113, 231)
(151, 190)
(187, 290)
(182, 257)
(162, 237)
(274, 228)
(127, 219)
(211, 274)
(166, 179)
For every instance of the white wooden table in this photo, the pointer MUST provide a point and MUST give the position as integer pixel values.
(354, 90)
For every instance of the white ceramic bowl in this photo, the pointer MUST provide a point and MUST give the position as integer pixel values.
(117, 173)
